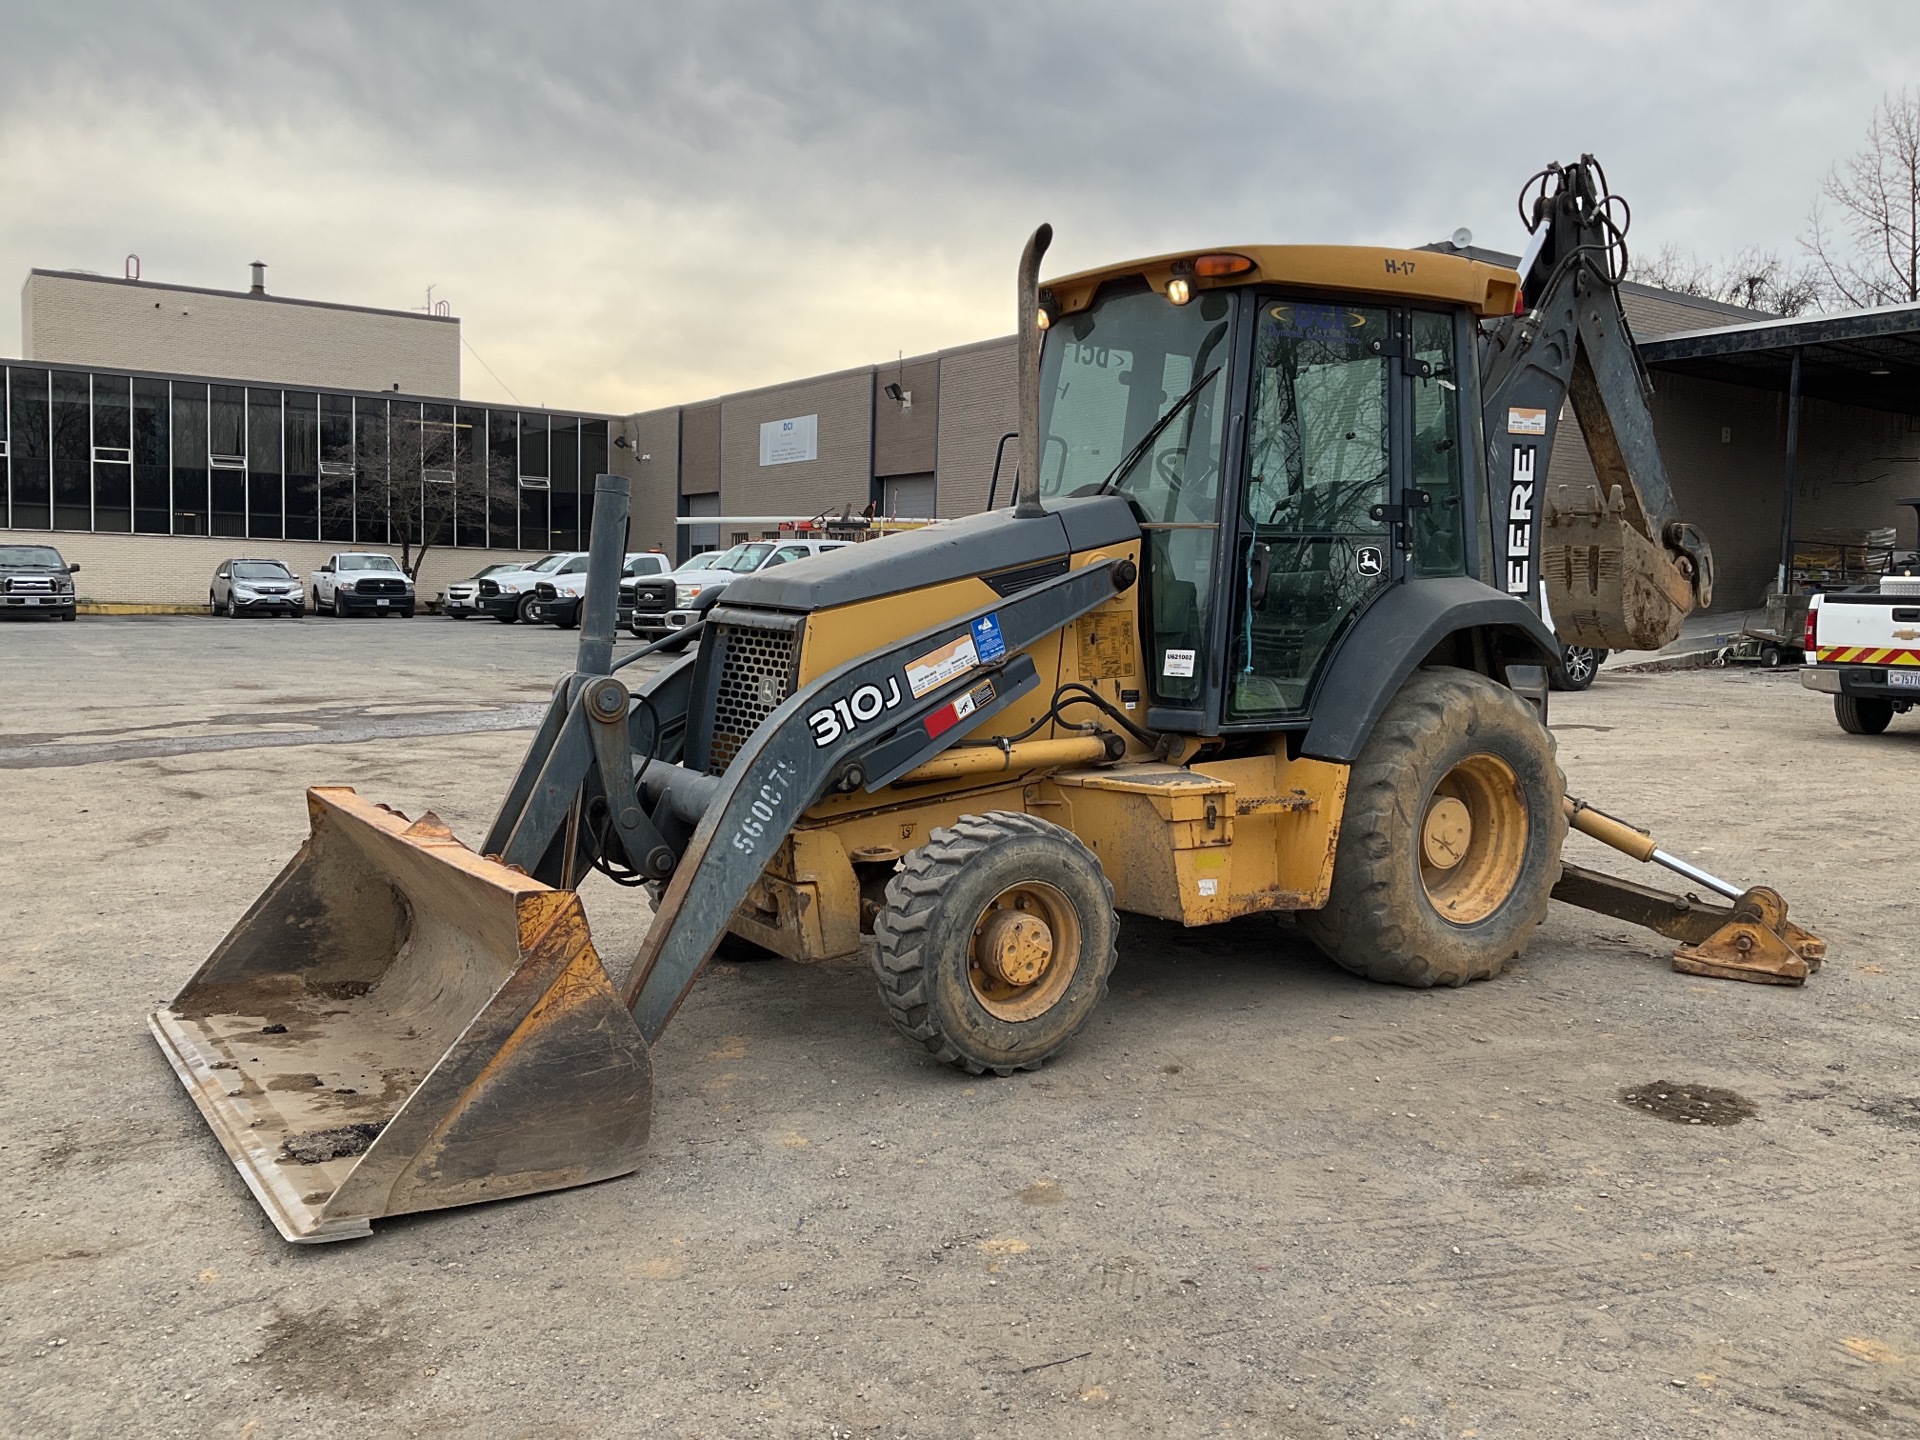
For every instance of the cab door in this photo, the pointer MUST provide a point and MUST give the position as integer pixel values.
(1350, 484)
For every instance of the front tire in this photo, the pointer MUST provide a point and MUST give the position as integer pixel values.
(1862, 715)
(1449, 846)
(233, 610)
(995, 942)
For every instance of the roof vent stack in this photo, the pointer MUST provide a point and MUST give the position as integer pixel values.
(259, 278)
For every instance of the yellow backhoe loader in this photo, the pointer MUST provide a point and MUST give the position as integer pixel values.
(1268, 629)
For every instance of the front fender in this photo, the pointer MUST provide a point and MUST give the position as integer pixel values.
(1400, 630)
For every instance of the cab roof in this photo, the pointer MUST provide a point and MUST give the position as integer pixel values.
(1412, 275)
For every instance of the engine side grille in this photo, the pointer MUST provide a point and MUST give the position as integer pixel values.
(380, 586)
(756, 675)
(29, 585)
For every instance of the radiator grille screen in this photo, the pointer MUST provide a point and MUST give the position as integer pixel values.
(756, 675)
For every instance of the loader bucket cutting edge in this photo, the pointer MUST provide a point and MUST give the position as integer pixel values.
(398, 1024)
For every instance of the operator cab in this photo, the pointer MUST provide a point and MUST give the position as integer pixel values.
(1292, 425)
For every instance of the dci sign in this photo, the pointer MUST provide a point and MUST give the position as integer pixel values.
(787, 442)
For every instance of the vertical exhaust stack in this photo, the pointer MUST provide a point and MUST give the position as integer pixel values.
(259, 278)
(1028, 494)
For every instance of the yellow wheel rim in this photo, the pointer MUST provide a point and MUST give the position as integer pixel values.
(1473, 839)
(1024, 951)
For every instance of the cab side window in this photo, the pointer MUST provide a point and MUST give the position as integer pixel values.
(1439, 530)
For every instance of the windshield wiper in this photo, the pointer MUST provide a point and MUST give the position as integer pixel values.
(1145, 443)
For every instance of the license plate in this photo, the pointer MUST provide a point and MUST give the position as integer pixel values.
(1904, 679)
(379, 602)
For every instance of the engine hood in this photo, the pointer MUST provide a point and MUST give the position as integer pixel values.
(980, 545)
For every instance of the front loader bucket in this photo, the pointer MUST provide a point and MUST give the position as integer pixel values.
(399, 1024)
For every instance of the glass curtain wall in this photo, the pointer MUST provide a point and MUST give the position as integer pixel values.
(93, 451)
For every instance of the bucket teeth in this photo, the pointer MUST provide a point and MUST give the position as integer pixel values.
(398, 1024)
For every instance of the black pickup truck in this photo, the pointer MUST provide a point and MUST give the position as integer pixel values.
(36, 580)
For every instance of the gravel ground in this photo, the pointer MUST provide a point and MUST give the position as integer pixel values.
(1257, 1196)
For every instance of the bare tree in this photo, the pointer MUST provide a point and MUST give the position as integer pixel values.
(1758, 279)
(420, 479)
(1868, 251)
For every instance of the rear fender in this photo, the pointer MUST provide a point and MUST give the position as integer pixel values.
(1450, 620)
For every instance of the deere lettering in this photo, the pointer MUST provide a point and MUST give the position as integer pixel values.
(1520, 522)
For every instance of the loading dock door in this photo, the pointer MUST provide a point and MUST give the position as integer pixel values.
(907, 497)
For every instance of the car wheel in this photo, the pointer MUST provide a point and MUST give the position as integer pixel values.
(1579, 664)
(315, 596)
(529, 610)
(233, 610)
(213, 605)
(70, 612)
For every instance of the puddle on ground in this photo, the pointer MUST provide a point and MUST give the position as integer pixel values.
(1685, 1104)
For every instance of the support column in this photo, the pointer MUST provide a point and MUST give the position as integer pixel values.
(1792, 474)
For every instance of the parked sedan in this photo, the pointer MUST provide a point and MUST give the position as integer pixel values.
(253, 587)
(461, 598)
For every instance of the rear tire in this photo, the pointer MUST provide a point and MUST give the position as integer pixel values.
(996, 942)
(1862, 715)
(1450, 844)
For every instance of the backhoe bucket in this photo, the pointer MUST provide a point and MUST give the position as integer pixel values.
(399, 1024)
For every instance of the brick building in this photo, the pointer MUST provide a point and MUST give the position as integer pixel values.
(149, 472)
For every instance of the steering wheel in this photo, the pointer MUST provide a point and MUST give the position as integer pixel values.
(1171, 466)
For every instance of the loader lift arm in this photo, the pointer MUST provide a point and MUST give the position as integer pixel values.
(1609, 565)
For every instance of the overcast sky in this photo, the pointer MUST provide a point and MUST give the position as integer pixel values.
(640, 204)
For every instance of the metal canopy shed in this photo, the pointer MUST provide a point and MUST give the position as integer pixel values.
(1866, 358)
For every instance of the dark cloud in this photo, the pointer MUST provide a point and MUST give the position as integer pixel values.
(744, 184)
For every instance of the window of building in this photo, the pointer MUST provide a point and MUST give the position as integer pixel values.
(593, 464)
(189, 445)
(152, 480)
(373, 499)
(265, 478)
(301, 444)
(536, 466)
(72, 421)
(336, 467)
(503, 468)
(113, 453)
(227, 458)
(568, 494)
(470, 476)
(29, 461)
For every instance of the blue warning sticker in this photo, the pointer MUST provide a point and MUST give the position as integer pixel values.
(987, 639)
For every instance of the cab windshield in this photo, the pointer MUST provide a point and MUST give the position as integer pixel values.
(1132, 400)
(367, 562)
(740, 560)
(1110, 373)
(260, 570)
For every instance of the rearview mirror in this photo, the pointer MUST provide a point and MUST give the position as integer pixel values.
(74, 568)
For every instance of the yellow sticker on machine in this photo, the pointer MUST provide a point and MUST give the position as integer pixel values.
(1106, 646)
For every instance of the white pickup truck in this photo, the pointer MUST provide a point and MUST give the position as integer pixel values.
(360, 582)
(1863, 648)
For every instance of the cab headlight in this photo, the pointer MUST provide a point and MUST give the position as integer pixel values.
(685, 595)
